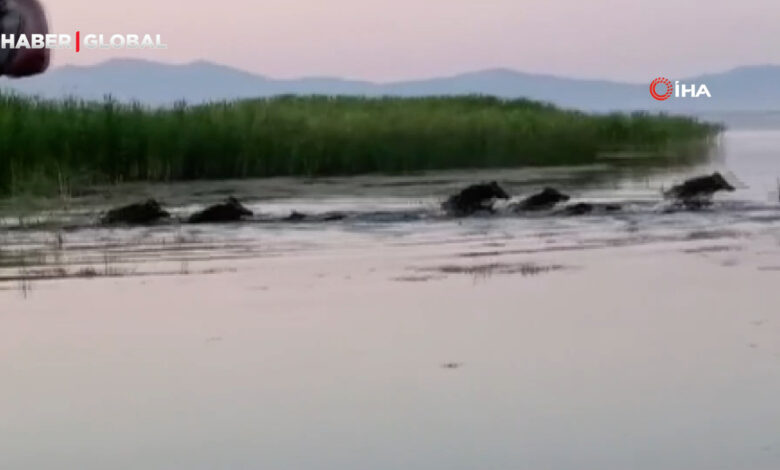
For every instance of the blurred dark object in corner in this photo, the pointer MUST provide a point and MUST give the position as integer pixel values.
(22, 17)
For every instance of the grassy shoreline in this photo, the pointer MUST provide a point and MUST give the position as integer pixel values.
(50, 146)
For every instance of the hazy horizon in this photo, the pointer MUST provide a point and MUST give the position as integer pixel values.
(129, 57)
(628, 41)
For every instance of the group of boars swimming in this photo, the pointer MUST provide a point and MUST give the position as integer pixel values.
(694, 193)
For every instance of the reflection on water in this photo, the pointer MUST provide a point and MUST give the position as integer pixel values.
(397, 337)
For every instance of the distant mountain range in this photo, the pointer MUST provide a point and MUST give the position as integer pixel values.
(755, 88)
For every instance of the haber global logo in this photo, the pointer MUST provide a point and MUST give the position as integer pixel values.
(79, 42)
(662, 89)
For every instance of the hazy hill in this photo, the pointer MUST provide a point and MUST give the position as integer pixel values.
(746, 88)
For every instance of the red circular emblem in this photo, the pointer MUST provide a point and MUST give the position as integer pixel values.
(661, 81)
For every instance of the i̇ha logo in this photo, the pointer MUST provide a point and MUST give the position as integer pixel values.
(662, 89)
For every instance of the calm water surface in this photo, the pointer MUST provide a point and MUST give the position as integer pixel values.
(397, 337)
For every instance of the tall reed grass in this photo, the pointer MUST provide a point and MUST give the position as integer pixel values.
(53, 146)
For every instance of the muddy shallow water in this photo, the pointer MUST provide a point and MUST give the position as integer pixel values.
(398, 337)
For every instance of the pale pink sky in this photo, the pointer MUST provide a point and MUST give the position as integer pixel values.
(395, 39)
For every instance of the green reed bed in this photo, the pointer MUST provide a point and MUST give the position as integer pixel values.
(54, 146)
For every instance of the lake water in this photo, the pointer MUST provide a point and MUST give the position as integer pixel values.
(398, 337)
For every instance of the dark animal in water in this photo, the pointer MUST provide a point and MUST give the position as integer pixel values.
(696, 190)
(295, 216)
(136, 214)
(546, 199)
(229, 211)
(477, 197)
(333, 216)
(582, 208)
